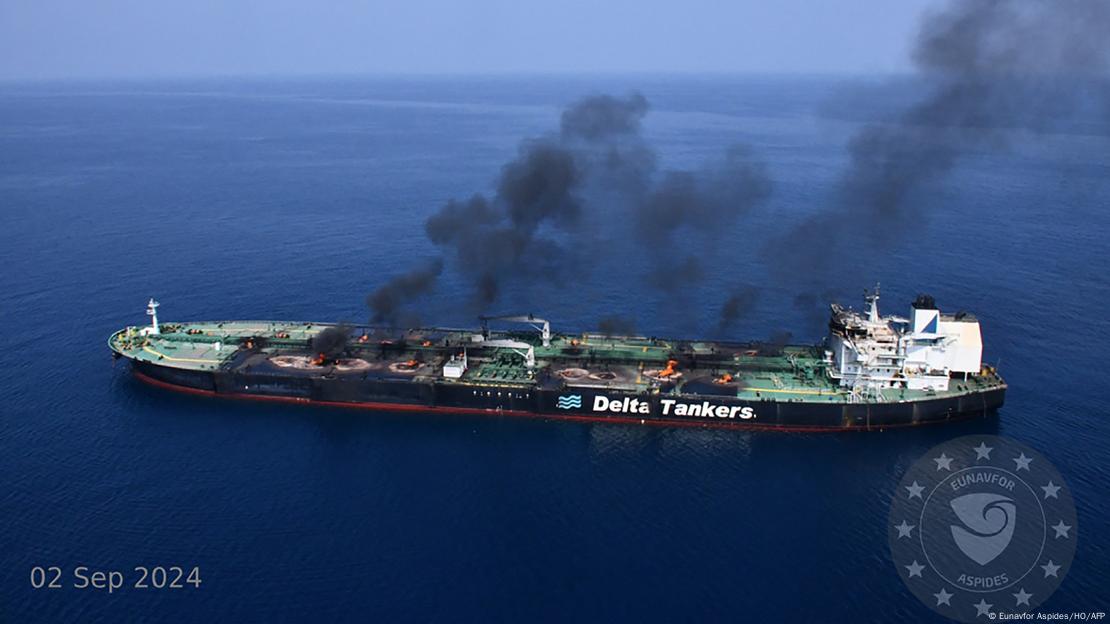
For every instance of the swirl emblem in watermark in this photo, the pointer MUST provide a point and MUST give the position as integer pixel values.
(982, 526)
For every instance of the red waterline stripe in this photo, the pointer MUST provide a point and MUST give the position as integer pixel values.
(431, 409)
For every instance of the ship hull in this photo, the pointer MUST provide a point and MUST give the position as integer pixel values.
(574, 404)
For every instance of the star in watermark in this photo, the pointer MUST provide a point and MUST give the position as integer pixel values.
(944, 462)
(904, 529)
(1051, 490)
(980, 501)
(915, 489)
(983, 451)
(914, 569)
(1061, 529)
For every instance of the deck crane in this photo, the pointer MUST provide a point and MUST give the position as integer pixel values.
(539, 324)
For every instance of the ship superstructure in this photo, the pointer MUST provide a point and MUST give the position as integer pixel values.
(871, 372)
(868, 353)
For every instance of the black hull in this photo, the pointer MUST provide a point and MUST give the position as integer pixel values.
(574, 403)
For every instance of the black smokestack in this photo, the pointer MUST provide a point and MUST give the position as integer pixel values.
(331, 341)
(386, 302)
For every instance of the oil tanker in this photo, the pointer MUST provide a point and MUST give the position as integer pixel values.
(871, 372)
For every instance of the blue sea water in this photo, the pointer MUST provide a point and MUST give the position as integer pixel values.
(292, 199)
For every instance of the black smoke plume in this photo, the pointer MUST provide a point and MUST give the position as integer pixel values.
(774, 344)
(738, 305)
(537, 223)
(616, 326)
(385, 302)
(602, 116)
(814, 307)
(672, 274)
(331, 341)
(494, 238)
(706, 201)
(993, 69)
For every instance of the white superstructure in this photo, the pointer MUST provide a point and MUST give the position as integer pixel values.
(868, 352)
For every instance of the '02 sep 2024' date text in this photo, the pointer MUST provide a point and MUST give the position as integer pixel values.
(139, 577)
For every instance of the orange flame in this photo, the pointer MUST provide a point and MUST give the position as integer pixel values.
(669, 371)
(724, 379)
(320, 359)
(364, 338)
(426, 343)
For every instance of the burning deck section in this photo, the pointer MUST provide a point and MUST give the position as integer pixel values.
(587, 360)
(869, 361)
(637, 365)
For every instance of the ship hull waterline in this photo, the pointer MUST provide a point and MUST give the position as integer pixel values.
(405, 396)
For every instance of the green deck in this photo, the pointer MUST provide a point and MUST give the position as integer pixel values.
(797, 374)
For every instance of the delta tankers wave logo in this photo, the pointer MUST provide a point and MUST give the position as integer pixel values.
(668, 407)
(569, 401)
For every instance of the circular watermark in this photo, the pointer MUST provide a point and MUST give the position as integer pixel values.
(982, 526)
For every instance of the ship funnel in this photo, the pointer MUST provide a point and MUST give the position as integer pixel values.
(926, 316)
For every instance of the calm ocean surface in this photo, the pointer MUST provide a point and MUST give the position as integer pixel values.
(294, 199)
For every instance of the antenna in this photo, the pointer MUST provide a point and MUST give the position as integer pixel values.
(152, 312)
(872, 299)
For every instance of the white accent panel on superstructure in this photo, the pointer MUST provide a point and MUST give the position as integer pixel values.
(868, 352)
(965, 353)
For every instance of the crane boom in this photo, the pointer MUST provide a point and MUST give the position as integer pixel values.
(523, 349)
(541, 325)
